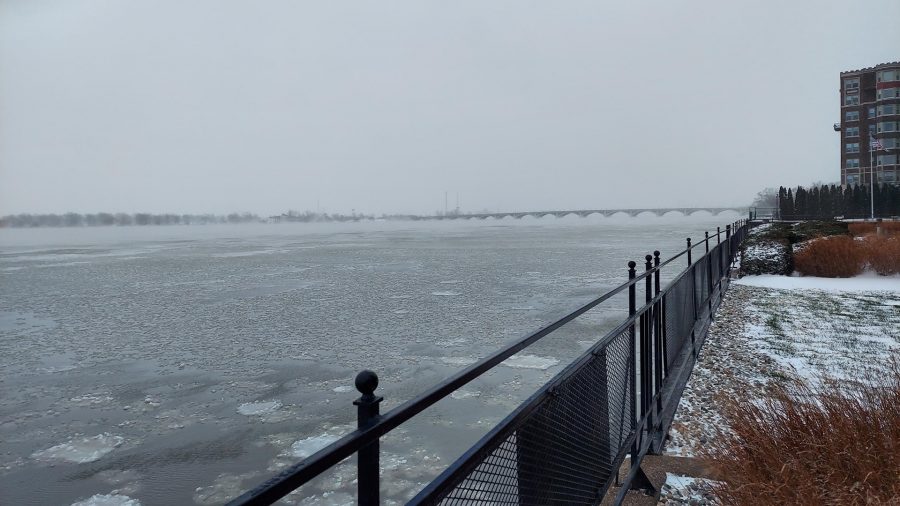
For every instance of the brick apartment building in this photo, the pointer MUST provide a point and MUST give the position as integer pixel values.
(870, 109)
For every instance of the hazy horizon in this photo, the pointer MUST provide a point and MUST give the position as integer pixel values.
(219, 107)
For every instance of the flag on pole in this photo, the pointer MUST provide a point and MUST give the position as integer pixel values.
(875, 143)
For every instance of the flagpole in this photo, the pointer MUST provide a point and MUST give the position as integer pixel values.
(872, 174)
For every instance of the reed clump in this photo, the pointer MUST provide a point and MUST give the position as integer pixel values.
(838, 256)
(835, 444)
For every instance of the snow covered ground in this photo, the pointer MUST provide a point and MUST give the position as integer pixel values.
(770, 328)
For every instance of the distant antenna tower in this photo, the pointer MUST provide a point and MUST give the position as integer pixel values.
(457, 202)
(445, 203)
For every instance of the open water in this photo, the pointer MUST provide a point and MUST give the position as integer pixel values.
(183, 365)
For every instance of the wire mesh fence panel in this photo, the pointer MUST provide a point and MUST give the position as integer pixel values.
(561, 452)
(715, 261)
(701, 279)
(679, 316)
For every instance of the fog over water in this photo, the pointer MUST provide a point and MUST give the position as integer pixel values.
(179, 365)
(226, 106)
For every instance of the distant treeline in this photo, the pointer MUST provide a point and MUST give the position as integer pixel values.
(830, 201)
(125, 219)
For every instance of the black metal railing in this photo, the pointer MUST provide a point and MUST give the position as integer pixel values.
(565, 443)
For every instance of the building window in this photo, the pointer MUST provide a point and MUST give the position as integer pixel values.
(851, 100)
(852, 163)
(852, 147)
(871, 112)
(852, 179)
(851, 116)
(890, 143)
(887, 76)
(871, 128)
(886, 160)
(888, 93)
(852, 132)
(851, 84)
(887, 110)
(887, 177)
(888, 126)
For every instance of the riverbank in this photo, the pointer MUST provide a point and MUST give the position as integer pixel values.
(773, 328)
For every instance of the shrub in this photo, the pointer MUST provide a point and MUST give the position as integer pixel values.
(835, 445)
(766, 257)
(883, 253)
(838, 256)
(806, 230)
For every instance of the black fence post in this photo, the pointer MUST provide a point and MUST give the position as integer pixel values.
(706, 241)
(368, 456)
(632, 303)
(689, 251)
(659, 356)
(647, 345)
(718, 235)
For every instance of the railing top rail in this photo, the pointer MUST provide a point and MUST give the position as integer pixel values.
(300, 473)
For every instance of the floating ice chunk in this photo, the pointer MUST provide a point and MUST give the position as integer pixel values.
(401, 311)
(448, 343)
(258, 408)
(459, 360)
(81, 450)
(465, 394)
(530, 362)
(342, 389)
(450, 282)
(445, 294)
(108, 500)
(306, 447)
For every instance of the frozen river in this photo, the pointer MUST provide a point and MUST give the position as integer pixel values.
(182, 365)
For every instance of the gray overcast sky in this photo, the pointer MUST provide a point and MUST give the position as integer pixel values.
(221, 105)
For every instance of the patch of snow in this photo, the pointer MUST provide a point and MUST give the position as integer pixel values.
(867, 282)
(530, 362)
(80, 450)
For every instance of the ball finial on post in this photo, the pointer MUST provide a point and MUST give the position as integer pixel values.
(366, 382)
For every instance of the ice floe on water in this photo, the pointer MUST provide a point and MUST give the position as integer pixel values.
(445, 294)
(459, 360)
(81, 450)
(530, 362)
(108, 500)
(342, 389)
(258, 408)
(465, 394)
(307, 446)
(449, 343)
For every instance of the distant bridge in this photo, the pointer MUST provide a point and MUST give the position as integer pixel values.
(584, 213)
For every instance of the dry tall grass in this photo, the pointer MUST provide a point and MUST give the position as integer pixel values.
(883, 254)
(839, 445)
(837, 256)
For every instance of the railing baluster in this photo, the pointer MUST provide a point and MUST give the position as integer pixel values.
(632, 303)
(368, 469)
(647, 346)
